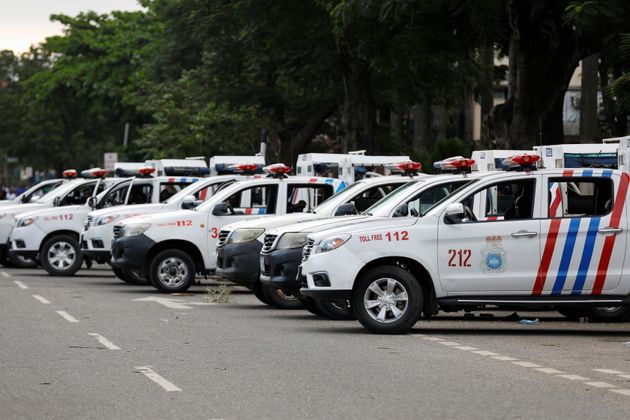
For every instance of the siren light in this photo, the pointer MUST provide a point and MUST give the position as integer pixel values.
(94, 173)
(525, 162)
(70, 173)
(410, 168)
(146, 171)
(279, 170)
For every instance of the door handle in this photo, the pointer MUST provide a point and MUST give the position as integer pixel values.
(524, 234)
(610, 230)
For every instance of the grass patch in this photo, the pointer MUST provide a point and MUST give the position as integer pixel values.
(218, 294)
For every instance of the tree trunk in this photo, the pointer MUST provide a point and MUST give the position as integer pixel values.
(486, 96)
(422, 140)
(588, 99)
(440, 121)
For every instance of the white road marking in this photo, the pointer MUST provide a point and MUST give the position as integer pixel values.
(609, 371)
(485, 353)
(20, 284)
(527, 364)
(624, 376)
(504, 358)
(5, 274)
(104, 341)
(573, 377)
(621, 391)
(433, 338)
(418, 335)
(169, 303)
(150, 373)
(465, 348)
(599, 384)
(549, 371)
(448, 343)
(42, 299)
(67, 316)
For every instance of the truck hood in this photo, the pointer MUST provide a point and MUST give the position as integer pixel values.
(371, 223)
(133, 209)
(317, 225)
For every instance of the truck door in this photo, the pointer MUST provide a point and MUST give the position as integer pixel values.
(583, 233)
(494, 249)
(249, 202)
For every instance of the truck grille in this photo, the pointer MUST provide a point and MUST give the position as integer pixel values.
(88, 223)
(268, 243)
(222, 237)
(117, 230)
(306, 251)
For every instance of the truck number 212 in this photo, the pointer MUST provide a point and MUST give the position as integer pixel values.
(459, 257)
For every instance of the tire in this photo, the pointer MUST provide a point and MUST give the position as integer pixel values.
(18, 261)
(257, 290)
(172, 271)
(573, 314)
(310, 305)
(61, 255)
(608, 314)
(400, 303)
(128, 276)
(337, 309)
(279, 299)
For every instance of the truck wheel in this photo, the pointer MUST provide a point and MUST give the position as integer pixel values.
(18, 261)
(387, 300)
(172, 271)
(608, 313)
(310, 305)
(337, 309)
(61, 255)
(129, 276)
(279, 299)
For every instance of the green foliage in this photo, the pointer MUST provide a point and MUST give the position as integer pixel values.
(444, 148)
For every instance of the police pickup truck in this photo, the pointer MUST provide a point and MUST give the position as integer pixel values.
(170, 248)
(52, 234)
(554, 237)
(238, 251)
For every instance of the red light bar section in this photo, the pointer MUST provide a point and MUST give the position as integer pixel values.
(146, 170)
(525, 160)
(277, 168)
(70, 173)
(460, 163)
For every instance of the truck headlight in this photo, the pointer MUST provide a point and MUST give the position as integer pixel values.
(134, 229)
(244, 235)
(105, 220)
(333, 243)
(26, 222)
(292, 240)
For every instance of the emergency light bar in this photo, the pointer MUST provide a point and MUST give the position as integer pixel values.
(410, 168)
(525, 162)
(185, 171)
(146, 171)
(70, 173)
(279, 170)
(94, 173)
(455, 164)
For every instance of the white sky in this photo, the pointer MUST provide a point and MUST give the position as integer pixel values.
(26, 22)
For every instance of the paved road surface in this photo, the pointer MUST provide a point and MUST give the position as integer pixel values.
(91, 346)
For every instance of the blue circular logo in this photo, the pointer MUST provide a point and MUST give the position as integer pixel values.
(494, 261)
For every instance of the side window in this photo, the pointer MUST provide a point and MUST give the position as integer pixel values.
(169, 189)
(80, 194)
(305, 197)
(370, 196)
(509, 200)
(254, 200)
(116, 196)
(140, 194)
(579, 197)
(428, 198)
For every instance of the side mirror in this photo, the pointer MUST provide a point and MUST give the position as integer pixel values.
(188, 202)
(221, 209)
(346, 209)
(57, 201)
(401, 211)
(91, 202)
(197, 203)
(454, 213)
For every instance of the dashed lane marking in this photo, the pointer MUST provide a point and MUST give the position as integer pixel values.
(433, 338)
(549, 371)
(67, 316)
(20, 284)
(527, 364)
(573, 377)
(5, 274)
(152, 375)
(625, 392)
(448, 343)
(504, 358)
(465, 348)
(609, 371)
(42, 299)
(599, 384)
(104, 341)
(485, 353)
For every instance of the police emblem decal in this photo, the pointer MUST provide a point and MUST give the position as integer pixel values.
(493, 255)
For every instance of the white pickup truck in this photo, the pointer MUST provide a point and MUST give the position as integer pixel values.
(560, 240)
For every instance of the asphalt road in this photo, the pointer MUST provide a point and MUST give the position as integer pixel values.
(90, 346)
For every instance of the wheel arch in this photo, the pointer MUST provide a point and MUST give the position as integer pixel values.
(419, 271)
(71, 233)
(190, 248)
